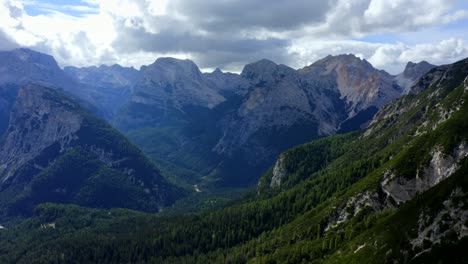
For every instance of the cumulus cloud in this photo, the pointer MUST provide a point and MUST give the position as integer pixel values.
(229, 34)
(391, 57)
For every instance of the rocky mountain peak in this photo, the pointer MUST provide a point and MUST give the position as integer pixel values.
(32, 56)
(104, 75)
(217, 71)
(345, 63)
(25, 65)
(171, 69)
(411, 74)
(360, 85)
(412, 67)
(440, 75)
(171, 83)
(266, 71)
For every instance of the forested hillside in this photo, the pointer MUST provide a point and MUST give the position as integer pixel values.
(396, 192)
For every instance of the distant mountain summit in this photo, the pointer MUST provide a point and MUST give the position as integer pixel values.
(112, 86)
(21, 66)
(412, 73)
(114, 76)
(255, 115)
(211, 124)
(175, 83)
(360, 85)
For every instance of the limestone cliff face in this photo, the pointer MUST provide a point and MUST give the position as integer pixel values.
(279, 172)
(259, 113)
(37, 122)
(55, 151)
(227, 83)
(175, 83)
(359, 84)
(441, 166)
(278, 100)
(21, 66)
(421, 123)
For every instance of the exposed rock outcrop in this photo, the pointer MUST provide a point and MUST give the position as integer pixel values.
(441, 166)
(37, 122)
(175, 83)
(359, 84)
(451, 219)
(353, 206)
(55, 151)
(279, 172)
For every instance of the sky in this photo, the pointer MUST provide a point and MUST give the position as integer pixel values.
(231, 33)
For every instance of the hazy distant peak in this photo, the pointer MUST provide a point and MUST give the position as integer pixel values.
(265, 69)
(217, 71)
(416, 68)
(412, 73)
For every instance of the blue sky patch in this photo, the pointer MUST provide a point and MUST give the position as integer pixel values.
(71, 8)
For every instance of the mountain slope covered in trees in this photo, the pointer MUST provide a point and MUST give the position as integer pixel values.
(55, 151)
(396, 192)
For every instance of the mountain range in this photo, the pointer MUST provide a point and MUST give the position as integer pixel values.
(228, 128)
(394, 191)
(219, 128)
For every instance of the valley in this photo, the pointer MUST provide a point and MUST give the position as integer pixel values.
(337, 162)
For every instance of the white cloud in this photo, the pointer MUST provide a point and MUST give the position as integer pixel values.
(231, 33)
(391, 57)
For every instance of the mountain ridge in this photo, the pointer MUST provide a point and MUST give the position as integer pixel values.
(332, 200)
(54, 151)
(268, 107)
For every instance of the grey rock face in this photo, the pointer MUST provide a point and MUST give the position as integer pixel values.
(359, 84)
(176, 83)
(441, 167)
(411, 74)
(35, 124)
(226, 83)
(21, 66)
(55, 151)
(279, 172)
(279, 99)
(352, 207)
(434, 228)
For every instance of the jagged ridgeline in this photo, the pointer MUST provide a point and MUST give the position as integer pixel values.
(54, 151)
(395, 193)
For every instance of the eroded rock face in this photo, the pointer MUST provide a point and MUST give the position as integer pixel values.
(352, 207)
(227, 83)
(21, 66)
(55, 151)
(360, 85)
(441, 166)
(35, 124)
(451, 219)
(279, 172)
(278, 100)
(176, 83)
